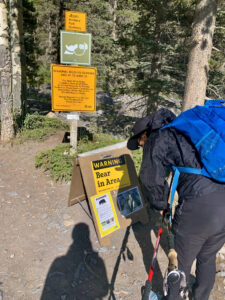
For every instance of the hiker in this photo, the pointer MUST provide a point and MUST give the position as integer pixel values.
(199, 220)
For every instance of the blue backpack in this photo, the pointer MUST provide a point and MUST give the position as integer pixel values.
(205, 127)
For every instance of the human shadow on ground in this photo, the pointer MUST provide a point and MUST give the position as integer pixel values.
(80, 274)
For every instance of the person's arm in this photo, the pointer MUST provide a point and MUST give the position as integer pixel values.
(153, 171)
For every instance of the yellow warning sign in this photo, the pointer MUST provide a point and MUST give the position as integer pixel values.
(105, 213)
(73, 88)
(75, 21)
(110, 174)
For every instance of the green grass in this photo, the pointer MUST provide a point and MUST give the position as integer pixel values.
(38, 127)
(58, 163)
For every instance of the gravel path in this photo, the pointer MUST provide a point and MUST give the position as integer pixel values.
(50, 251)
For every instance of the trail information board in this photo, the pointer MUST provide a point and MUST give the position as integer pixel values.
(73, 88)
(75, 48)
(75, 21)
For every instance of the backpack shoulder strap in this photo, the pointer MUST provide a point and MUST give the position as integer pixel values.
(177, 171)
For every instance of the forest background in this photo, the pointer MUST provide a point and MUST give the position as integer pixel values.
(140, 47)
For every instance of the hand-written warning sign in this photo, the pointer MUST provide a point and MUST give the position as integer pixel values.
(75, 21)
(73, 88)
(110, 174)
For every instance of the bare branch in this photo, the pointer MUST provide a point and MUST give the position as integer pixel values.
(220, 27)
(216, 49)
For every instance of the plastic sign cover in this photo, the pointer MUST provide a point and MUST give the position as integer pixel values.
(75, 48)
(110, 174)
(75, 21)
(73, 88)
(105, 213)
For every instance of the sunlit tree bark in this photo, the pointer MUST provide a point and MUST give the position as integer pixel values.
(17, 56)
(200, 52)
(7, 131)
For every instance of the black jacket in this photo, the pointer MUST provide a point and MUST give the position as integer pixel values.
(165, 148)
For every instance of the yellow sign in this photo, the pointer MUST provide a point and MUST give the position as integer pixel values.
(73, 88)
(105, 213)
(110, 174)
(75, 21)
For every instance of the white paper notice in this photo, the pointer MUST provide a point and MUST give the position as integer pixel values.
(105, 212)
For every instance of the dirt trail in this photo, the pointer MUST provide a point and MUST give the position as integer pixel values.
(47, 251)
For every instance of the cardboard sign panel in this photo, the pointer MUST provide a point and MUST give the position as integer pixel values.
(73, 88)
(110, 174)
(75, 21)
(75, 48)
(111, 185)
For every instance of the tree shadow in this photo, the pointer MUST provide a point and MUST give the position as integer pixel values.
(80, 274)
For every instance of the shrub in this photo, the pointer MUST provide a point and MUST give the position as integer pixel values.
(37, 127)
(59, 163)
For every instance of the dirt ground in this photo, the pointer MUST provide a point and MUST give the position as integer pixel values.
(50, 251)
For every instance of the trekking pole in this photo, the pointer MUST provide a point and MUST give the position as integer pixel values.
(147, 293)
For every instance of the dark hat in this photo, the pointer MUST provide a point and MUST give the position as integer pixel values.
(140, 126)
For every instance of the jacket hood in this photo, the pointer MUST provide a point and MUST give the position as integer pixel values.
(155, 121)
(161, 118)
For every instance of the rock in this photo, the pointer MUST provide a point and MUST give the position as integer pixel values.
(51, 115)
(44, 216)
(68, 223)
(102, 250)
(34, 291)
(221, 255)
(137, 282)
(13, 194)
(222, 250)
(220, 274)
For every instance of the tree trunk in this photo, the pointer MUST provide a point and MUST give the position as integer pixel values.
(114, 5)
(17, 56)
(7, 131)
(200, 52)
